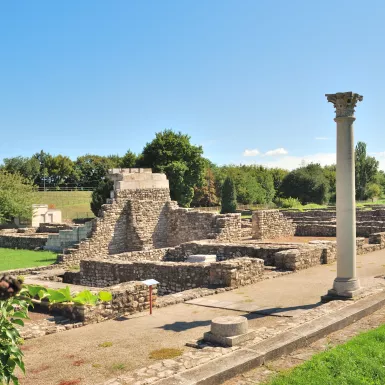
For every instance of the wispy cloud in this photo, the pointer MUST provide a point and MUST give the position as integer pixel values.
(322, 138)
(277, 151)
(254, 152)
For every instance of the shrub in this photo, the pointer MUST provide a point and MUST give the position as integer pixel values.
(287, 203)
(229, 197)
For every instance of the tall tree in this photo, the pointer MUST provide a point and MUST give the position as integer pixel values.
(366, 170)
(128, 160)
(16, 196)
(29, 168)
(308, 184)
(182, 162)
(229, 197)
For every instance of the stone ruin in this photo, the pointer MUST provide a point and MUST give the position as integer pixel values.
(272, 224)
(140, 216)
(142, 234)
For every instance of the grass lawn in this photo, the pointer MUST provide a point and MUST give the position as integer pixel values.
(15, 259)
(361, 361)
(73, 204)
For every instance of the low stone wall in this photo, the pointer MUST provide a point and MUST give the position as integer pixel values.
(173, 277)
(224, 251)
(271, 224)
(127, 298)
(20, 241)
(52, 227)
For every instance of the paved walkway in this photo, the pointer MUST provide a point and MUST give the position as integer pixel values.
(76, 354)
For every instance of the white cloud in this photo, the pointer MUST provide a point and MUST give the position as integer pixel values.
(322, 138)
(278, 151)
(254, 152)
(380, 156)
(290, 162)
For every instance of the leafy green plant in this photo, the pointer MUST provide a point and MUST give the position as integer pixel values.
(14, 306)
(12, 311)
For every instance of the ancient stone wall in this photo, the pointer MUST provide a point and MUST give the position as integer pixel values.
(322, 223)
(140, 219)
(271, 224)
(173, 277)
(130, 297)
(21, 241)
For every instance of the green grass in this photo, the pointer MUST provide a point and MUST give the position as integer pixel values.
(361, 361)
(17, 259)
(73, 204)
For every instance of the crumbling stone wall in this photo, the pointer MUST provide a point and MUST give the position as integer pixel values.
(322, 223)
(129, 297)
(173, 277)
(271, 224)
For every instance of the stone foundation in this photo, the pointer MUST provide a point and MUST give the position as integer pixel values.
(173, 277)
(127, 298)
(271, 224)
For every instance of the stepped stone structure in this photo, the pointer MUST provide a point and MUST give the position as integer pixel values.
(140, 216)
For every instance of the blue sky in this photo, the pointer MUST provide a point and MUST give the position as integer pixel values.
(102, 77)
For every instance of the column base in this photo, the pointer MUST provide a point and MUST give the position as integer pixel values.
(343, 289)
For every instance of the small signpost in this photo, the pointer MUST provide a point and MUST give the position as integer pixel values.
(150, 283)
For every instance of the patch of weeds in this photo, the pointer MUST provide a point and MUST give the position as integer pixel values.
(96, 366)
(74, 268)
(248, 300)
(69, 382)
(118, 366)
(165, 353)
(106, 344)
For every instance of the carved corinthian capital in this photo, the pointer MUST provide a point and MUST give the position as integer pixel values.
(344, 103)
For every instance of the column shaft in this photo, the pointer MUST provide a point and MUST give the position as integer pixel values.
(346, 204)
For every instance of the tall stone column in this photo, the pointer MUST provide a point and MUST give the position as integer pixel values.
(346, 285)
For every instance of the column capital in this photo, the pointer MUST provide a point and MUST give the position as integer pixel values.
(344, 103)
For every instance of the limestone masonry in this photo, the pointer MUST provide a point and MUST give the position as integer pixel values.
(140, 216)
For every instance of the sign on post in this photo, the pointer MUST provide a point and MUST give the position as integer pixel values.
(150, 283)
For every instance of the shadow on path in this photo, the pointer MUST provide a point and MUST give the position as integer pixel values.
(182, 326)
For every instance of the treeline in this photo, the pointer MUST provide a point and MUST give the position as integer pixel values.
(195, 180)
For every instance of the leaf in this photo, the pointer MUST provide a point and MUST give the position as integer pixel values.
(20, 314)
(18, 322)
(105, 296)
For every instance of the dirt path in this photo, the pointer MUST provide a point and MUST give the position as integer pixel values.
(77, 355)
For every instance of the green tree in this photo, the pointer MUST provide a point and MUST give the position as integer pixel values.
(206, 194)
(128, 160)
(16, 196)
(229, 197)
(101, 194)
(29, 168)
(182, 162)
(330, 174)
(278, 175)
(366, 170)
(308, 184)
(93, 168)
(373, 190)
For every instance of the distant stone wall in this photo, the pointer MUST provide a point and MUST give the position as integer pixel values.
(173, 277)
(131, 297)
(67, 237)
(20, 241)
(322, 223)
(271, 224)
(52, 227)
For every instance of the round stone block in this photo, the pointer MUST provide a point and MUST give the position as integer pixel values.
(229, 326)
